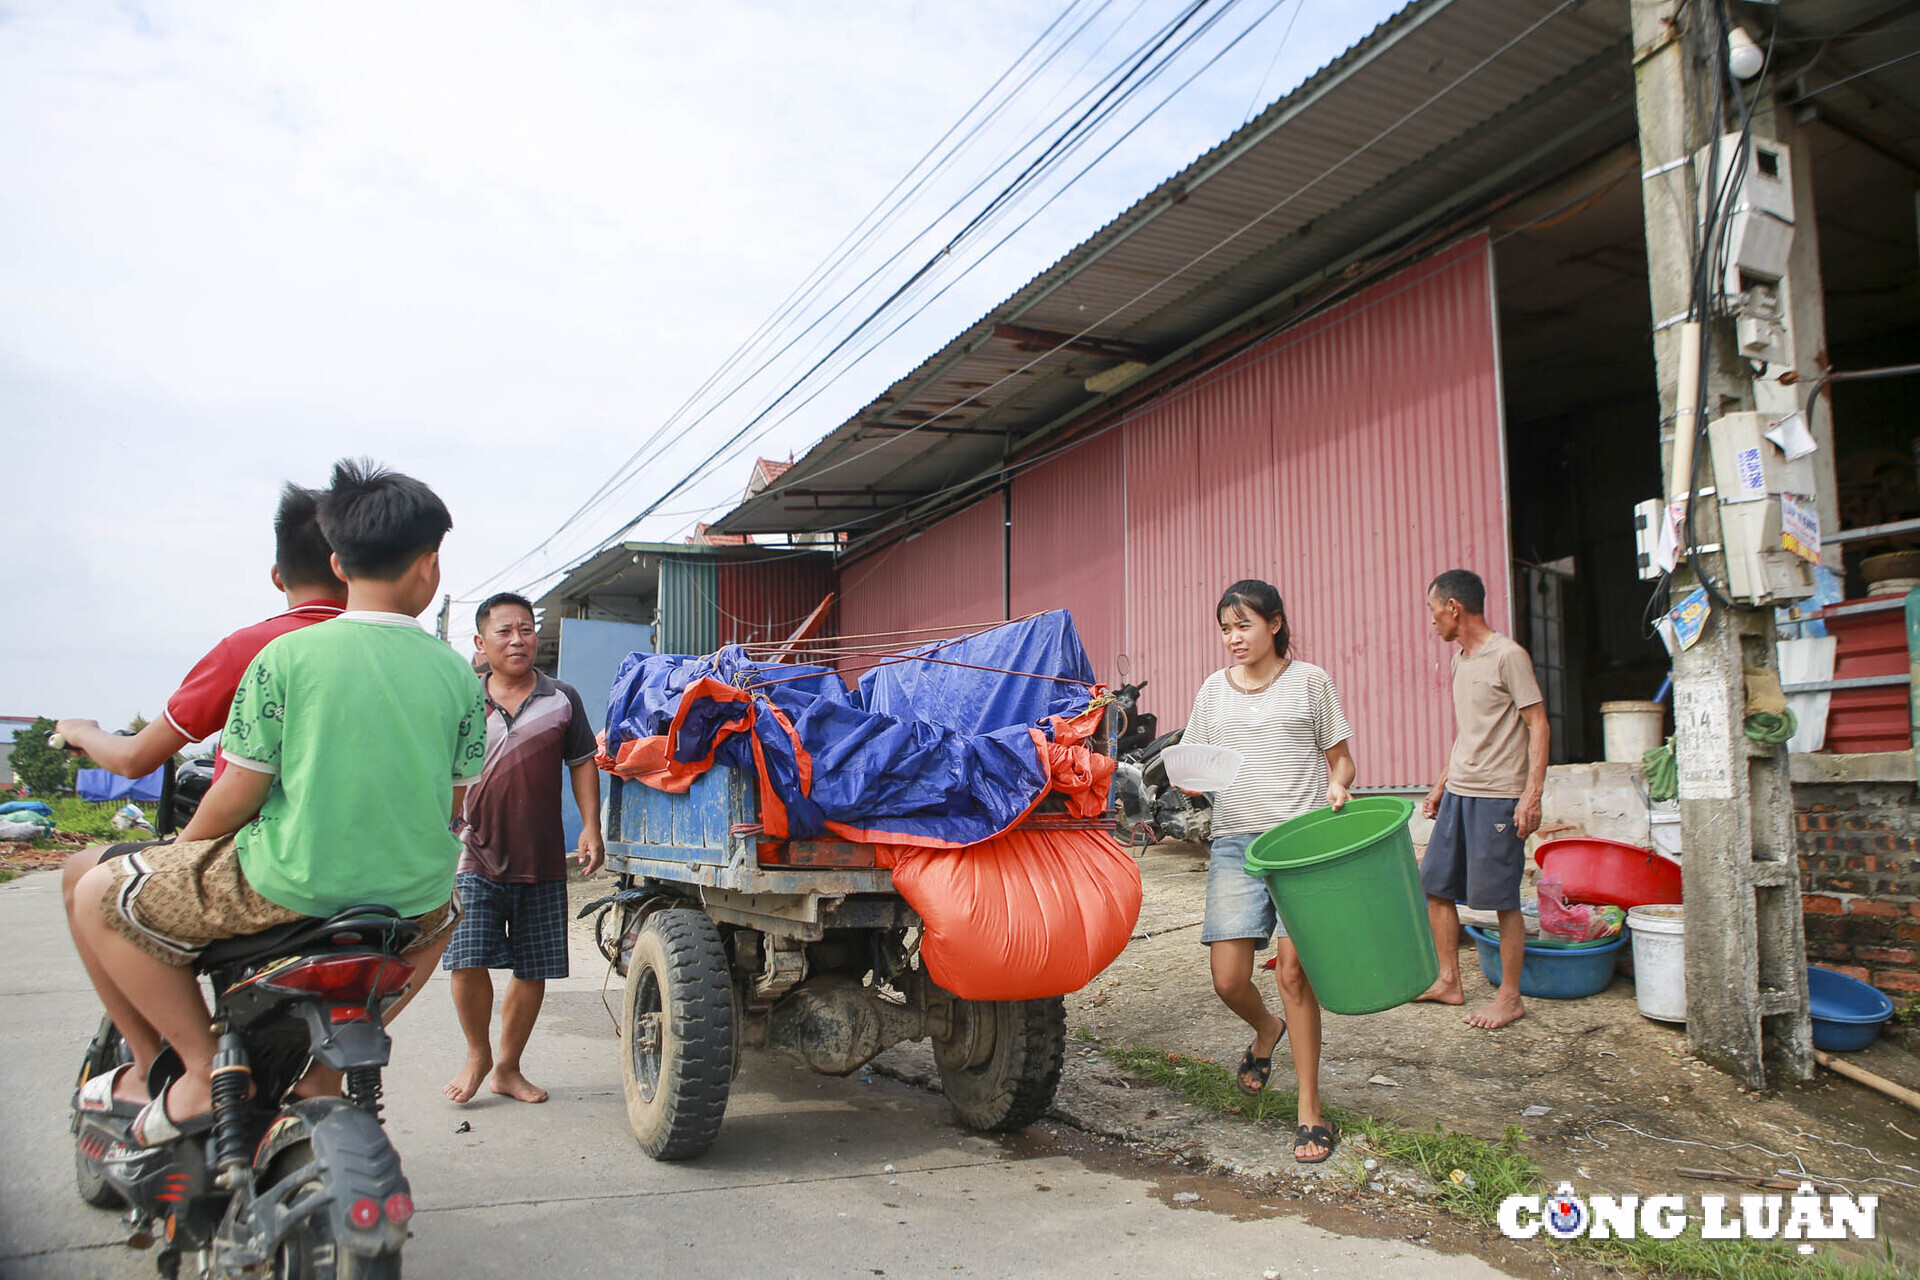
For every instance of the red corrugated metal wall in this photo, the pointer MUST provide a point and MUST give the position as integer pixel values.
(952, 575)
(1069, 547)
(1347, 461)
(762, 600)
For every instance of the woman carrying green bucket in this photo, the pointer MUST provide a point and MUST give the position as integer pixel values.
(1283, 716)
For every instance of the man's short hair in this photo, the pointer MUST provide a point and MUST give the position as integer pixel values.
(380, 521)
(1463, 585)
(493, 602)
(300, 549)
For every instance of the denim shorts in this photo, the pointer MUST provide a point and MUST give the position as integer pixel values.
(1238, 905)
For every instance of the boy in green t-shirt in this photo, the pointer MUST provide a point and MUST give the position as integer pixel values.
(349, 747)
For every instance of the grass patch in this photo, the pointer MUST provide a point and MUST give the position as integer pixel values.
(1490, 1172)
(6, 874)
(91, 818)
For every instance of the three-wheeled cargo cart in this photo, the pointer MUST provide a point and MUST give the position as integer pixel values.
(728, 940)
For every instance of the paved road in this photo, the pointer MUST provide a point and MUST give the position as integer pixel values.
(798, 1184)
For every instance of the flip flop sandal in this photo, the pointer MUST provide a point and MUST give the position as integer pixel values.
(96, 1095)
(1318, 1135)
(153, 1127)
(1259, 1068)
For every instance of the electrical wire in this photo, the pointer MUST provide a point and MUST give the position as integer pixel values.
(1223, 242)
(1006, 193)
(719, 456)
(1710, 267)
(1028, 220)
(830, 264)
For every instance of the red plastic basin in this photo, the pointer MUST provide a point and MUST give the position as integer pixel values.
(1609, 872)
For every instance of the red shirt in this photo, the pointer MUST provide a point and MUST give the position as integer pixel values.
(199, 707)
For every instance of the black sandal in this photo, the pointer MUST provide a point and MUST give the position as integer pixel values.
(1259, 1068)
(1318, 1135)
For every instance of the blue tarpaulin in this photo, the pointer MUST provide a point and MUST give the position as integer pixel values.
(921, 752)
(98, 784)
(969, 700)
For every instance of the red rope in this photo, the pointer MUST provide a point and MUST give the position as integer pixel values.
(945, 662)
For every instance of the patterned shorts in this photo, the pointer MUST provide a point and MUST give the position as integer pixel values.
(173, 900)
(522, 927)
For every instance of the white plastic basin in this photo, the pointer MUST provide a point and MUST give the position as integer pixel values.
(1198, 767)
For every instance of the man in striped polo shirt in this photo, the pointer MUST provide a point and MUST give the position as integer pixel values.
(512, 880)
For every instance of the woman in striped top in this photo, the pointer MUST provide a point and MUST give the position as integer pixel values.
(1284, 717)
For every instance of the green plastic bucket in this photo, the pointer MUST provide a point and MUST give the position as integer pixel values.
(1348, 890)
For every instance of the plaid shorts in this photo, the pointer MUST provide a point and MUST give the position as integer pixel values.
(522, 927)
(173, 900)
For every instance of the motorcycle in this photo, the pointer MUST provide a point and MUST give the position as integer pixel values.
(1151, 808)
(293, 1188)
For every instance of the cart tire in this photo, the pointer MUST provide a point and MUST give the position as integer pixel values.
(677, 1064)
(1008, 1084)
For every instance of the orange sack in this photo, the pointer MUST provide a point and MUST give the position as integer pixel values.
(1026, 915)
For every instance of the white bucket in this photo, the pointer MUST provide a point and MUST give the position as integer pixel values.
(1663, 826)
(1659, 961)
(1629, 730)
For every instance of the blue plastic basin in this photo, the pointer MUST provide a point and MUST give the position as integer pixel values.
(1847, 1013)
(1551, 972)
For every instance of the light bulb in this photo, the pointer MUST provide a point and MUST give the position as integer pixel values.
(1744, 59)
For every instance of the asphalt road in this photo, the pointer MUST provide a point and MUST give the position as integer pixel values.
(811, 1176)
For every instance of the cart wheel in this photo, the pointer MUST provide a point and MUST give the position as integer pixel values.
(1001, 1065)
(679, 1029)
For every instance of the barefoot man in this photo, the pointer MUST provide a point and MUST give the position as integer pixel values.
(513, 873)
(1487, 801)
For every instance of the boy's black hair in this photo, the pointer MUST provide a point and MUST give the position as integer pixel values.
(300, 549)
(493, 602)
(1262, 599)
(380, 521)
(1463, 585)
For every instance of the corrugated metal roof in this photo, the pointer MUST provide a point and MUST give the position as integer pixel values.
(1425, 116)
(1443, 107)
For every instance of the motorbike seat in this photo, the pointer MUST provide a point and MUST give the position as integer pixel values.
(364, 924)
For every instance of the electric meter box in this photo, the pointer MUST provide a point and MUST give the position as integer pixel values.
(1757, 222)
(1750, 473)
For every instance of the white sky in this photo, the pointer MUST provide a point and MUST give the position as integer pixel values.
(491, 245)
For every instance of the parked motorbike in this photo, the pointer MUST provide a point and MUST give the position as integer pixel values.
(296, 1189)
(1151, 808)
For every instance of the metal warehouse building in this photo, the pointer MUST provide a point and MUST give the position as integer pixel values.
(1398, 323)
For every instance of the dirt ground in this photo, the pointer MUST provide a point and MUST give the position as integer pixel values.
(1628, 1104)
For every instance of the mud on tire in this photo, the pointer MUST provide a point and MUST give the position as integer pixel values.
(1001, 1065)
(678, 1024)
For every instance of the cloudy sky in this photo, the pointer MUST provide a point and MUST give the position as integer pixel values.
(493, 245)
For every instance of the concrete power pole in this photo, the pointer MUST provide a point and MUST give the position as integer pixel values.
(1745, 948)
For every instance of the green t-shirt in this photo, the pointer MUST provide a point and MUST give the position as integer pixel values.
(367, 723)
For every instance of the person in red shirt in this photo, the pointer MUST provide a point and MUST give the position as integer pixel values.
(303, 571)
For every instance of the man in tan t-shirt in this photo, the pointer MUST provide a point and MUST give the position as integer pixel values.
(1487, 801)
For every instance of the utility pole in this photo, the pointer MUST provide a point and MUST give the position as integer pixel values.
(446, 615)
(1745, 948)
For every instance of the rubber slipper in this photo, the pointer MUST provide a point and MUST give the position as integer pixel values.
(96, 1095)
(1318, 1135)
(153, 1127)
(1259, 1068)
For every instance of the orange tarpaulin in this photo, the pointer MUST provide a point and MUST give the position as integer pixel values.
(1030, 913)
(1025, 915)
